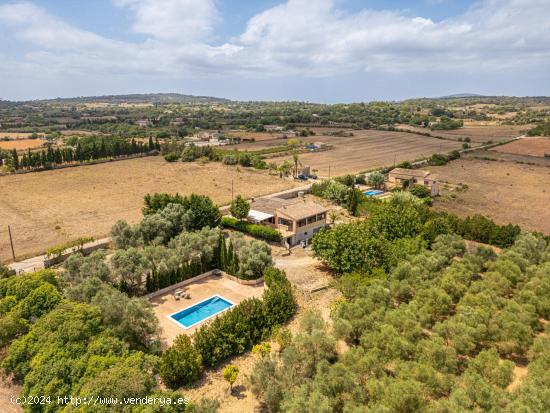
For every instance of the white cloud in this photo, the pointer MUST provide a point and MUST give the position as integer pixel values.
(298, 37)
(184, 21)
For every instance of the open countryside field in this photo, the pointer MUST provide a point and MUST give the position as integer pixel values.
(536, 146)
(48, 208)
(369, 149)
(476, 133)
(504, 191)
(21, 144)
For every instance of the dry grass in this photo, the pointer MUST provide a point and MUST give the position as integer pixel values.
(505, 191)
(49, 208)
(536, 146)
(21, 144)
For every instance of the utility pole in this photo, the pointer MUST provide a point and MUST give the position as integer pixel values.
(11, 243)
(328, 171)
(232, 190)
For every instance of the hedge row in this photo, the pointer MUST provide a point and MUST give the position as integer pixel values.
(258, 231)
(240, 328)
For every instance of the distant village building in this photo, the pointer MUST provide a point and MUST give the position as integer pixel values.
(143, 123)
(402, 177)
(296, 219)
(273, 128)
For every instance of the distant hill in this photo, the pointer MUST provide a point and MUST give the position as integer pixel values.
(462, 96)
(140, 98)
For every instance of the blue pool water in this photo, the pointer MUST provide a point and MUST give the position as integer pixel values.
(201, 311)
(373, 192)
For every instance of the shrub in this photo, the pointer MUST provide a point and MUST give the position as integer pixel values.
(180, 364)
(421, 191)
(239, 328)
(258, 231)
(360, 179)
(171, 157)
(229, 160)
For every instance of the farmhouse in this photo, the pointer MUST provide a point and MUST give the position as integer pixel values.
(297, 219)
(406, 177)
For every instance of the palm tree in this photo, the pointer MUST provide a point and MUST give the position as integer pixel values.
(296, 163)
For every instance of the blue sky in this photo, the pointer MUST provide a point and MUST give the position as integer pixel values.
(312, 50)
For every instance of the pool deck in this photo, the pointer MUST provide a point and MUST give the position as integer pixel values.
(166, 304)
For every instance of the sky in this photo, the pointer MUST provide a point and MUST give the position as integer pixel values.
(309, 50)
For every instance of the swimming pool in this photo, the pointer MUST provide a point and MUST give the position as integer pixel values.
(201, 311)
(373, 192)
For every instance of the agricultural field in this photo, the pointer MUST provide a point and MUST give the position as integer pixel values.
(257, 136)
(507, 192)
(21, 144)
(534, 146)
(476, 132)
(369, 149)
(49, 208)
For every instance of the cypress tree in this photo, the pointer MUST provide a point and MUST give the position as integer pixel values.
(30, 158)
(15, 158)
(78, 153)
(223, 254)
(151, 144)
(148, 283)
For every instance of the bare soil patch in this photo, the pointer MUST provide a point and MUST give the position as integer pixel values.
(532, 146)
(507, 192)
(21, 144)
(7, 390)
(49, 208)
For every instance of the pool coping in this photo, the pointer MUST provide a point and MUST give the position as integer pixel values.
(204, 319)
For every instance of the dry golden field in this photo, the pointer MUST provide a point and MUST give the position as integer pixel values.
(535, 146)
(369, 149)
(48, 208)
(18, 135)
(21, 144)
(477, 133)
(505, 191)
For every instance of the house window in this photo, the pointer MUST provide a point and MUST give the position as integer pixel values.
(426, 183)
(286, 222)
(302, 222)
(311, 220)
(320, 217)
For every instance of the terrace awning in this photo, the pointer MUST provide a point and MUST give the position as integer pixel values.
(258, 216)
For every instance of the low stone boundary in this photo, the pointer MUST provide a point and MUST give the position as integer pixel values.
(244, 282)
(49, 262)
(200, 277)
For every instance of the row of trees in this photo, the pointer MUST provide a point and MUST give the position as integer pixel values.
(434, 334)
(81, 150)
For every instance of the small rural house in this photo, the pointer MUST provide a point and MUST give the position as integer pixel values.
(297, 219)
(401, 176)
